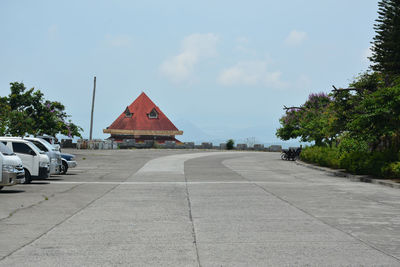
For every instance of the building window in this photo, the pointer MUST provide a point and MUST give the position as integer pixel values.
(153, 114)
(128, 114)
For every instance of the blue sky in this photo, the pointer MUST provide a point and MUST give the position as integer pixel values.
(217, 69)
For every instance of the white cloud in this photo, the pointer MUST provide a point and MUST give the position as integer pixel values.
(366, 54)
(295, 38)
(251, 73)
(118, 40)
(195, 47)
(241, 46)
(242, 40)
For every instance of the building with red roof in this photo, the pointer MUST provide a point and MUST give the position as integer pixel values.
(143, 120)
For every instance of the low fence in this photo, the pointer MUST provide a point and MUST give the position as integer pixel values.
(130, 143)
(96, 144)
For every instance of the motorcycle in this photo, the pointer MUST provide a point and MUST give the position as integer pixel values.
(292, 153)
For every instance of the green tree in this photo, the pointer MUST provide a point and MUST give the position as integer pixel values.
(28, 112)
(371, 112)
(386, 43)
(378, 117)
(309, 121)
(229, 144)
(291, 124)
(4, 115)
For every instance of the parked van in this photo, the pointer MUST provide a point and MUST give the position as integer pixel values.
(53, 154)
(12, 170)
(36, 163)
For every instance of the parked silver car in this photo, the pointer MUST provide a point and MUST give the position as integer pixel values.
(12, 170)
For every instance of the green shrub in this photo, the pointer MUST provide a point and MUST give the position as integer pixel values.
(324, 156)
(348, 144)
(378, 163)
(392, 170)
(229, 144)
(355, 162)
(361, 162)
(380, 159)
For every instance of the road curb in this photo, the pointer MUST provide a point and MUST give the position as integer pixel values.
(352, 177)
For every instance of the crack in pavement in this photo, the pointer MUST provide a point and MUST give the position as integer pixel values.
(311, 215)
(37, 203)
(62, 221)
(192, 222)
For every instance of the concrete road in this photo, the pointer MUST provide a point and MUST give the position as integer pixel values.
(196, 208)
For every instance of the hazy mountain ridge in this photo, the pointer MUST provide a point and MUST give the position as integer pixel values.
(250, 135)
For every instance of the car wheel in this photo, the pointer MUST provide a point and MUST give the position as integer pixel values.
(64, 167)
(28, 178)
(1, 187)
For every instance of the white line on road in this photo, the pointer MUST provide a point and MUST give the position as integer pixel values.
(175, 163)
(139, 183)
(172, 183)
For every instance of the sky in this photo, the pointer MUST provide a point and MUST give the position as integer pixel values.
(217, 69)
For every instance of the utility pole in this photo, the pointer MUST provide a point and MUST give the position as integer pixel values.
(91, 117)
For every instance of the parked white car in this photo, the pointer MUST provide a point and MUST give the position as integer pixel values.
(12, 170)
(53, 154)
(35, 162)
(52, 140)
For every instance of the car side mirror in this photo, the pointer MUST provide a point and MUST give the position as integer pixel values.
(31, 152)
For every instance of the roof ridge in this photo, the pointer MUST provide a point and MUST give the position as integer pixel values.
(140, 119)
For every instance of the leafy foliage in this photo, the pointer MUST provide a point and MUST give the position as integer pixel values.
(360, 124)
(309, 121)
(4, 114)
(386, 43)
(364, 123)
(378, 116)
(378, 163)
(370, 114)
(229, 144)
(324, 156)
(27, 112)
(392, 170)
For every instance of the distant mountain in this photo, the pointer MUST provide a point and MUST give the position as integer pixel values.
(256, 134)
(191, 133)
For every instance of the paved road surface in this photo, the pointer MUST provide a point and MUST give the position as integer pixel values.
(194, 208)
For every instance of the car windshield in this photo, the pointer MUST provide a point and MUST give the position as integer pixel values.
(47, 138)
(51, 141)
(42, 144)
(39, 145)
(35, 146)
(49, 146)
(5, 150)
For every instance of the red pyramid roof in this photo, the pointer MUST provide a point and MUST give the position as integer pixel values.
(135, 120)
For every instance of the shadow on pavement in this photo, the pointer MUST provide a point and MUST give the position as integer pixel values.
(49, 179)
(38, 183)
(11, 191)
